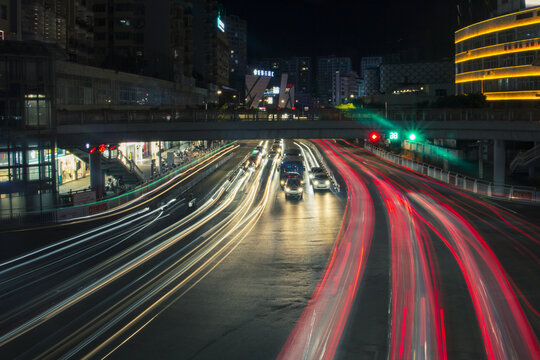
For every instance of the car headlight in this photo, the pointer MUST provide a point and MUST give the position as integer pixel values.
(327, 182)
(302, 182)
(311, 176)
(287, 189)
(316, 182)
(282, 182)
(299, 189)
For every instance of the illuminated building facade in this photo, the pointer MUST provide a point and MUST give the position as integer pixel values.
(499, 57)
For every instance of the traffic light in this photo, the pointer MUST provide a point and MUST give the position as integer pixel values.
(412, 136)
(374, 136)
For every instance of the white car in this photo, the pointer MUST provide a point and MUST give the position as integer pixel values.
(321, 182)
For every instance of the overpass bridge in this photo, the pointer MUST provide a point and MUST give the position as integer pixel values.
(78, 134)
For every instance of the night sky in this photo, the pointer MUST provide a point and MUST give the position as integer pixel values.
(419, 29)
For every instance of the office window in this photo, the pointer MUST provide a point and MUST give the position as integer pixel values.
(3, 12)
(524, 16)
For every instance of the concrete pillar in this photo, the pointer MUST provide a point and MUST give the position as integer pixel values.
(97, 178)
(159, 159)
(480, 162)
(499, 164)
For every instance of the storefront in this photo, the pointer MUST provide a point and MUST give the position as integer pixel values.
(70, 167)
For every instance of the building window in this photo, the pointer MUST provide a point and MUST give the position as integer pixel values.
(524, 16)
(99, 8)
(122, 36)
(100, 22)
(124, 22)
(3, 12)
(525, 58)
(440, 92)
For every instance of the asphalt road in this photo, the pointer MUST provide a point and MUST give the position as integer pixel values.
(390, 264)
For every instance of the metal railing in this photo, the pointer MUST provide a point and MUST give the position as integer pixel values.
(460, 181)
(523, 158)
(130, 165)
(109, 116)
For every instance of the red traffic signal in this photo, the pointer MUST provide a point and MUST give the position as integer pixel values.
(374, 136)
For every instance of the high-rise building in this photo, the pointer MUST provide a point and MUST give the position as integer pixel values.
(119, 34)
(499, 57)
(211, 48)
(236, 31)
(66, 23)
(326, 68)
(298, 68)
(10, 22)
(345, 87)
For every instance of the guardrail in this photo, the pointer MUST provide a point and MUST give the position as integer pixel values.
(460, 181)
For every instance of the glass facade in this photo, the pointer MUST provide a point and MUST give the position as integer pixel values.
(498, 57)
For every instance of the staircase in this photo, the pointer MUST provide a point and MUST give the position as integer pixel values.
(116, 166)
(526, 159)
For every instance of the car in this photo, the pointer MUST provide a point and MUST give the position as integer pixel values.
(260, 149)
(315, 171)
(293, 188)
(292, 152)
(255, 160)
(276, 148)
(321, 182)
(291, 175)
(272, 154)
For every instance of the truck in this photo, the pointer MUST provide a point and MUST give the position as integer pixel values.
(291, 164)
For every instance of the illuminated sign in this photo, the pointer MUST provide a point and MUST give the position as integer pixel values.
(220, 24)
(258, 72)
(275, 90)
(394, 135)
(532, 3)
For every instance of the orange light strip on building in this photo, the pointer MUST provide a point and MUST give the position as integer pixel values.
(498, 73)
(495, 50)
(513, 95)
(510, 24)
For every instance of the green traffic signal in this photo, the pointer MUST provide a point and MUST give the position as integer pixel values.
(412, 136)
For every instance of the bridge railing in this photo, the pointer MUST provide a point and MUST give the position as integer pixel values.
(460, 181)
(154, 115)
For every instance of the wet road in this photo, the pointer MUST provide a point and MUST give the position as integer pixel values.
(394, 266)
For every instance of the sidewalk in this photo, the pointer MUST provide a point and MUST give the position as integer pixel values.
(75, 185)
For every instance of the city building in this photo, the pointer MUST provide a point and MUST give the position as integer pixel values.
(366, 83)
(326, 68)
(10, 22)
(299, 72)
(345, 87)
(408, 84)
(434, 77)
(66, 23)
(42, 90)
(267, 90)
(236, 32)
(210, 45)
(499, 57)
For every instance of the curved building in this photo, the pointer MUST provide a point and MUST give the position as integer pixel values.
(500, 57)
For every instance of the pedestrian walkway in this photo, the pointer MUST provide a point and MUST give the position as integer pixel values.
(75, 185)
